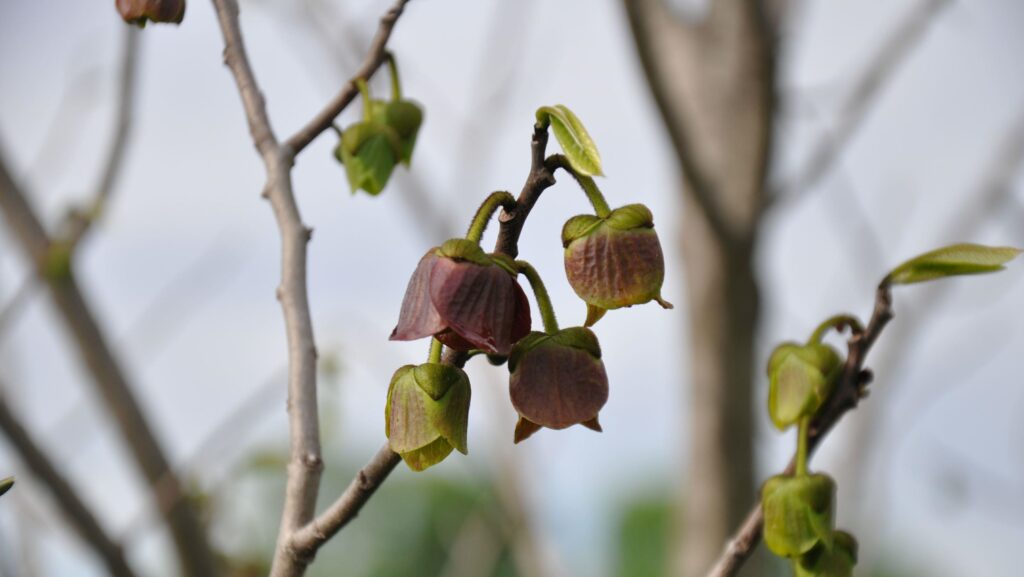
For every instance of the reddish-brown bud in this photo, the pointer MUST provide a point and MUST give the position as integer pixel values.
(557, 381)
(615, 261)
(466, 299)
(140, 11)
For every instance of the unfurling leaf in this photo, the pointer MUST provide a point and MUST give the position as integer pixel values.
(6, 484)
(579, 149)
(953, 260)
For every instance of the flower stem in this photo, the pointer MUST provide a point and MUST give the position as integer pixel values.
(486, 211)
(835, 322)
(435, 351)
(590, 188)
(364, 91)
(801, 446)
(396, 85)
(547, 312)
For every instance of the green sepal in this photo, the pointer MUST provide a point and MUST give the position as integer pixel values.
(6, 484)
(369, 152)
(801, 378)
(405, 117)
(631, 216)
(427, 413)
(578, 338)
(579, 226)
(463, 249)
(579, 148)
(505, 262)
(822, 561)
(798, 513)
(524, 345)
(953, 260)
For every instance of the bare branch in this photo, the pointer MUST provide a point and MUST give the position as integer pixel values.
(16, 304)
(891, 55)
(374, 58)
(848, 392)
(80, 220)
(77, 513)
(109, 379)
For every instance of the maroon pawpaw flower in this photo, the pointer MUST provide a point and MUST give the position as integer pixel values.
(615, 261)
(141, 11)
(465, 298)
(557, 381)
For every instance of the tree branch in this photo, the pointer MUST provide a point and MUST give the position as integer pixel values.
(891, 55)
(77, 513)
(374, 58)
(849, 390)
(109, 378)
(80, 220)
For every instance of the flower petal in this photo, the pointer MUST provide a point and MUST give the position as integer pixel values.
(558, 386)
(418, 317)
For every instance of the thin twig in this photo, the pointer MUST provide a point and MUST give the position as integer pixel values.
(16, 304)
(80, 220)
(66, 497)
(849, 390)
(891, 55)
(374, 58)
(111, 382)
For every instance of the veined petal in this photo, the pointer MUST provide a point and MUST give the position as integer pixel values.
(418, 317)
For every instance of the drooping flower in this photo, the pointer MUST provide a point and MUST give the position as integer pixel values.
(465, 298)
(427, 413)
(557, 380)
(140, 11)
(798, 513)
(801, 378)
(835, 561)
(615, 261)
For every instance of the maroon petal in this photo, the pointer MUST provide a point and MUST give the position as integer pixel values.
(477, 302)
(522, 322)
(557, 386)
(419, 318)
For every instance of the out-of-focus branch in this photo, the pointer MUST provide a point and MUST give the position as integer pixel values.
(79, 220)
(77, 513)
(107, 375)
(374, 58)
(851, 387)
(17, 302)
(891, 55)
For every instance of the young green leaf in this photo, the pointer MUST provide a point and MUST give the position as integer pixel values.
(953, 260)
(579, 149)
(6, 484)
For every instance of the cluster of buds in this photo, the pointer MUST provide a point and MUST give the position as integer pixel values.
(471, 301)
(139, 12)
(799, 509)
(385, 137)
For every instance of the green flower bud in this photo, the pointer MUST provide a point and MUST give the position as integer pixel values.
(798, 513)
(801, 378)
(427, 413)
(822, 561)
(369, 151)
(140, 11)
(557, 381)
(615, 261)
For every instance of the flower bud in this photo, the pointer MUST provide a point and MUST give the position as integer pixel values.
(427, 413)
(615, 261)
(557, 381)
(835, 561)
(369, 151)
(465, 298)
(140, 11)
(801, 378)
(798, 513)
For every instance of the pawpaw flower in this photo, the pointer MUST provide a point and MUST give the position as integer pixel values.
(614, 261)
(557, 380)
(800, 379)
(798, 513)
(140, 11)
(427, 413)
(465, 298)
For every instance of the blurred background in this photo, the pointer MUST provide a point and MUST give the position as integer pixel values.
(791, 154)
